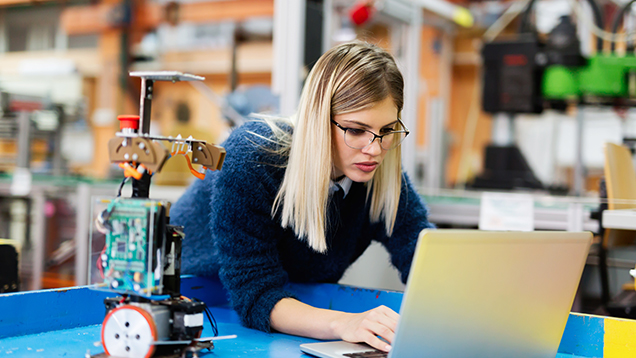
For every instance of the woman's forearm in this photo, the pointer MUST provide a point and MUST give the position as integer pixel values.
(294, 317)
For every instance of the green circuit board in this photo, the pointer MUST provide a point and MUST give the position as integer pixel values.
(129, 258)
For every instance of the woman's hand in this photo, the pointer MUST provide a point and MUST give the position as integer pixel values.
(294, 317)
(367, 326)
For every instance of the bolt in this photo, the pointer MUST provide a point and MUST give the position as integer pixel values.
(196, 160)
(141, 146)
(126, 156)
(135, 157)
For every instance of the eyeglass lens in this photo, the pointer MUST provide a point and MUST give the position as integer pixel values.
(359, 139)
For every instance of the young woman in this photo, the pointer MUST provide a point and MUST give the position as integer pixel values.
(301, 199)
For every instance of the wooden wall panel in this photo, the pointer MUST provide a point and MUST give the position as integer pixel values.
(466, 92)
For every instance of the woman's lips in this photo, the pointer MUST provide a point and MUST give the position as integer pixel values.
(366, 166)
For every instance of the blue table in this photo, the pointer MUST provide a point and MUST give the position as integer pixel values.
(67, 323)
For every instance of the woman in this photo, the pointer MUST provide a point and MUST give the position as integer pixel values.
(300, 200)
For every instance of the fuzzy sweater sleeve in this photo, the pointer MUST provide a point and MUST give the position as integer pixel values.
(412, 217)
(245, 234)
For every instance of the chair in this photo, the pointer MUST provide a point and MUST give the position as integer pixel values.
(620, 181)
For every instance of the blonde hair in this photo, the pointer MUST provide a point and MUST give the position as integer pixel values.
(348, 78)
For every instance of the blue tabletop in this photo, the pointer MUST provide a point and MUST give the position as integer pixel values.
(76, 342)
(67, 323)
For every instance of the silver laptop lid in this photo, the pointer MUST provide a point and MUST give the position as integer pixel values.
(489, 294)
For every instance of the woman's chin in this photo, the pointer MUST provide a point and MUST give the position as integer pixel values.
(360, 176)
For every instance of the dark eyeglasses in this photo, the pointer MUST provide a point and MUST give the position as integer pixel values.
(358, 138)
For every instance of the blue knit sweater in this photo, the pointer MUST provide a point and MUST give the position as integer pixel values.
(230, 231)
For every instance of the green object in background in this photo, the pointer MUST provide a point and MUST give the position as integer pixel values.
(604, 76)
(560, 82)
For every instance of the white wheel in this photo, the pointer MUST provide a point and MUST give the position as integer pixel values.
(128, 331)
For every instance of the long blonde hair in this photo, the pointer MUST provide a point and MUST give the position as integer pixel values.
(347, 78)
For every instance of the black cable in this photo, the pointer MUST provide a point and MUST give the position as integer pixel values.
(523, 25)
(618, 19)
(598, 20)
(215, 328)
(208, 313)
(121, 186)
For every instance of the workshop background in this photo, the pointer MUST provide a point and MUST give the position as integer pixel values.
(507, 101)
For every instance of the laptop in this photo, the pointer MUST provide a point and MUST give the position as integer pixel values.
(483, 294)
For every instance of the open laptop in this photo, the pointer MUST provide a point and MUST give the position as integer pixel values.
(483, 294)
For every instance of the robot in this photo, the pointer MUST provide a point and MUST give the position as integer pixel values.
(141, 258)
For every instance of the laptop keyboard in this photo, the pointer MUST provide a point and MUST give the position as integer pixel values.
(367, 354)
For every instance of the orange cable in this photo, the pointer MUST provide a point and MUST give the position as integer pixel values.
(192, 170)
(129, 171)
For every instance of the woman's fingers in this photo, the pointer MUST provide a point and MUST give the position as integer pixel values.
(377, 329)
(387, 317)
(377, 343)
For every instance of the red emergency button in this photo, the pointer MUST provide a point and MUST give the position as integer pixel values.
(128, 121)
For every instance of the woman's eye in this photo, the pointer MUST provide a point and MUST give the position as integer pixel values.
(355, 131)
(386, 130)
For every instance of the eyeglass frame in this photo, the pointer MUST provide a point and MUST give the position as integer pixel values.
(345, 129)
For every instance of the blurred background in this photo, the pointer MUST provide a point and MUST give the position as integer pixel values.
(486, 102)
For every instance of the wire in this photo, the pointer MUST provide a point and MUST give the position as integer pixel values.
(192, 170)
(502, 22)
(618, 18)
(99, 262)
(596, 26)
(130, 171)
(121, 186)
(208, 313)
(215, 329)
(607, 36)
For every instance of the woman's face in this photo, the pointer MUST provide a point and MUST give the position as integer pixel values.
(359, 165)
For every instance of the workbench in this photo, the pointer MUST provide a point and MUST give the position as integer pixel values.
(67, 322)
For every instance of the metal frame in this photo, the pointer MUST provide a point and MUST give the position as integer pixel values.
(288, 42)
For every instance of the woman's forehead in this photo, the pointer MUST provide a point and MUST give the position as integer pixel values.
(379, 115)
(388, 101)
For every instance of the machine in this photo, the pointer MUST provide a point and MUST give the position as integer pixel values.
(530, 73)
(141, 256)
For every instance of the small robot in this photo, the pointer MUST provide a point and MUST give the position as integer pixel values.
(141, 257)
